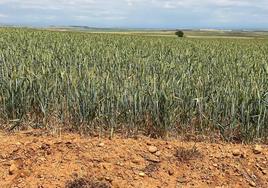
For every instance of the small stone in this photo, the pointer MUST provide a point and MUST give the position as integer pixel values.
(12, 169)
(158, 153)
(141, 174)
(215, 165)
(264, 172)
(24, 174)
(236, 152)
(170, 172)
(252, 184)
(119, 164)
(108, 179)
(49, 152)
(18, 143)
(257, 149)
(101, 144)
(45, 146)
(15, 166)
(243, 155)
(75, 174)
(135, 178)
(152, 149)
(182, 180)
(106, 166)
(137, 161)
(3, 156)
(154, 159)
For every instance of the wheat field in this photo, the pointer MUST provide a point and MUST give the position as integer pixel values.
(154, 84)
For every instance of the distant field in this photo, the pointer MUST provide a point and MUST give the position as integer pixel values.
(156, 85)
(188, 33)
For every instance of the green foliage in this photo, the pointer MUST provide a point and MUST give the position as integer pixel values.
(136, 81)
(179, 33)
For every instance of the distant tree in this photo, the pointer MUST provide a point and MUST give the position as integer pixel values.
(179, 33)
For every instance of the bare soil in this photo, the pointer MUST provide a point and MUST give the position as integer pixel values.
(36, 159)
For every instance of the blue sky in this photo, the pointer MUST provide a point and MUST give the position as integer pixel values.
(137, 13)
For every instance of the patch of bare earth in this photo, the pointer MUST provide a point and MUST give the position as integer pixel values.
(35, 159)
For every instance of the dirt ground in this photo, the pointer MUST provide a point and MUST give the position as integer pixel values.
(35, 159)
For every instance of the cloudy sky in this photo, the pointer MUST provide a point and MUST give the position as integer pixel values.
(137, 13)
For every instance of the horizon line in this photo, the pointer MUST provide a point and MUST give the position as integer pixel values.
(138, 28)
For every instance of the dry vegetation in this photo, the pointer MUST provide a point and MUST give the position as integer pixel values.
(86, 183)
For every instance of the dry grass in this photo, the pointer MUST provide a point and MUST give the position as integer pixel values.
(86, 183)
(151, 168)
(185, 154)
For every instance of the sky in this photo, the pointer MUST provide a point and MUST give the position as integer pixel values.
(232, 14)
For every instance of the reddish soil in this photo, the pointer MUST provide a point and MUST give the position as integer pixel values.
(35, 159)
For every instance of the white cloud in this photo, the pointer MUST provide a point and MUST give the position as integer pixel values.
(3, 16)
(63, 4)
(88, 18)
(139, 11)
(208, 3)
